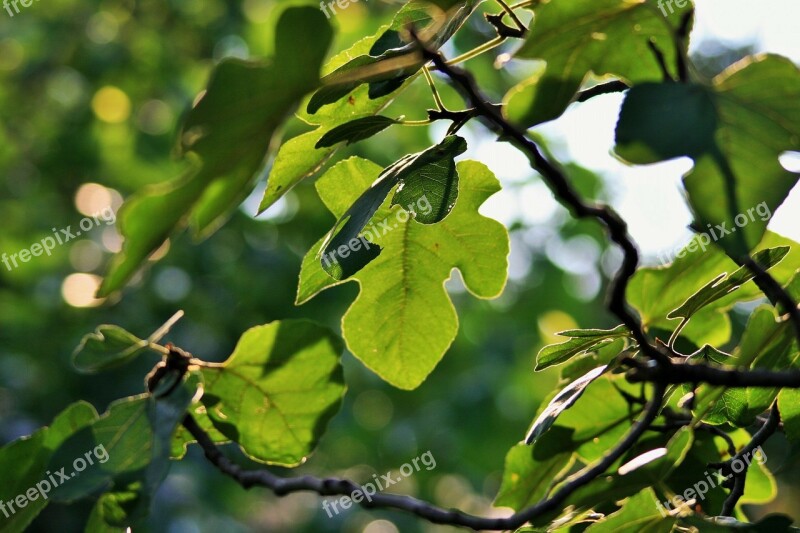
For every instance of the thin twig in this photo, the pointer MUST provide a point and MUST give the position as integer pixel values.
(616, 86)
(740, 478)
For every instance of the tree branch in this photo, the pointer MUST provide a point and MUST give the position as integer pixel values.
(564, 193)
(437, 515)
(679, 373)
(740, 478)
(615, 86)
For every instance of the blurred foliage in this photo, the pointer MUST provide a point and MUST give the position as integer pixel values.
(91, 98)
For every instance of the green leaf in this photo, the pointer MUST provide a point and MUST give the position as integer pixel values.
(297, 159)
(531, 471)
(580, 38)
(130, 442)
(227, 134)
(789, 407)
(767, 344)
(723, 285)
(581, 341)
(734, 179)
(277, 391)
(426, 178)
(355, 130)
(300, 157)
(596, 429)
(24, 466)
(616, 486)
(639, 513)
(402, 322)
(107, 347)
(391, 60)
(182, 438)
(693, 268)
(565, 399)
(113, 508)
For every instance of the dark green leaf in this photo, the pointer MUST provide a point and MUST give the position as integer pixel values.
(530, 471)
(735, 183)
(228, 133)
(581, 38)
(429, 175)
(355, 130)
(107, 347)
(24, 466)
(391, 60)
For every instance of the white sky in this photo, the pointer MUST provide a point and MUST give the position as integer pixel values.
(649, 198)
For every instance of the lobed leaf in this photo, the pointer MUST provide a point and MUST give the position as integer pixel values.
(429, 175)
(402, 322)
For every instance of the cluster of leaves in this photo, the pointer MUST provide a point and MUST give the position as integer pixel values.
(274, 396)
(283, 382)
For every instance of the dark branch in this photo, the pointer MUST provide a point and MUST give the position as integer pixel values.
(660, 59)
(564, 193)
(678, 373)
(615, 86)
(437, 515)
(681, 38)
(740, 479)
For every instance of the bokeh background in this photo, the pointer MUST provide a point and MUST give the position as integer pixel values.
(91, 96)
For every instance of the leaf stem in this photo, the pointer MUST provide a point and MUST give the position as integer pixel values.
(436, 96)
(475, 52)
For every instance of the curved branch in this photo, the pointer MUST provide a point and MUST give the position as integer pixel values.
(558, 183)
(437, 515)
(740, 479)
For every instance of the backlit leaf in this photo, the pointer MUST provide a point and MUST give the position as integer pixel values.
(277, 391)
(403, 322)
(227, 135)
